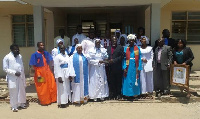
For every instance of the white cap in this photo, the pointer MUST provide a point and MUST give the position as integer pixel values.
(131, 36)
(78, 45)
(59, 40)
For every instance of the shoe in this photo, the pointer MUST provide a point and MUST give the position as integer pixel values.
(23, 106)
(95, 100)
(102, 99)
(14, 110)
(62, 106)
(166, 92)
(157, 92)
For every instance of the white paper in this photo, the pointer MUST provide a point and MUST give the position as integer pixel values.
(179, 75)
(148, 66)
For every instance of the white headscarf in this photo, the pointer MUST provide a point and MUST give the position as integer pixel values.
(147, 40)
(97, 39)
(131, 36)
(59, 40)
(125, 37)
(77, 45)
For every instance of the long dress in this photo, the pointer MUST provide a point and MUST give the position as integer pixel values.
(98, 85)
(132, 62)
(16, 85)
(80, 82)
(146, 74)
(46, 90)
(63, 68)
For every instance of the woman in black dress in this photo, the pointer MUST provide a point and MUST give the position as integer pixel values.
(183, 55)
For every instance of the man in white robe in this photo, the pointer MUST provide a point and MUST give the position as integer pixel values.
(98, 85)
(64, 72)
(64, 37)
(88, 42)
(79, 35)
(80, 82)
(13, 66)
(56, 50)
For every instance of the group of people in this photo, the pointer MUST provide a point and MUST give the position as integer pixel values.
(96, 68)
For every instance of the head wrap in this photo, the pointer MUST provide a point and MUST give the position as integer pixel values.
(147, 40)
(125, 37)
(117, 31)
(97, 39)
(59, 40)
(77, 45)
(131, 36)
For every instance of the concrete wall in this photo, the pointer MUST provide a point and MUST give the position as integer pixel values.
(6, 11)
(166, 18)
(6, 33)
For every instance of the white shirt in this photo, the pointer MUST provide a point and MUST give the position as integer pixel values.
(11, 65)
(80, 38)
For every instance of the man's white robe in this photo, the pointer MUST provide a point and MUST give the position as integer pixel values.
(16, 85)
(80, 38)
(98, 85)
(78, 88)
(63, 89)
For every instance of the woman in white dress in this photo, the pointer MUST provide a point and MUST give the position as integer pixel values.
(146, 74)
(80, 82)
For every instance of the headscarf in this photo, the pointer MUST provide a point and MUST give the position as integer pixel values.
(125, 37)
(147, 40)
(131, 36)
(77, 45)
(59, 40)
(97, 39)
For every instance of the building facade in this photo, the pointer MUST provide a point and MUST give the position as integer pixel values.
(30, 21)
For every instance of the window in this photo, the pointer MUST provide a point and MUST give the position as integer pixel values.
(86, 25)
(23, 30)
(186, 25)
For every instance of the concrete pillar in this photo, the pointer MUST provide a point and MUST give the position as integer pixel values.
(38, 15)
(155, 22)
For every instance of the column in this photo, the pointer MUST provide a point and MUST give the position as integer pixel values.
(155, 22)
(38, 16)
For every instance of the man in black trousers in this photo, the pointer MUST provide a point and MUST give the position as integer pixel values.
(115, 72)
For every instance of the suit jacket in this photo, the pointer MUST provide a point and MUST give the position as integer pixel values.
(166, 57)
(117, 57)
(187, 56)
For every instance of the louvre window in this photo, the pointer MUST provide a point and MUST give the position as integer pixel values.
(186, 25)
(23, 30)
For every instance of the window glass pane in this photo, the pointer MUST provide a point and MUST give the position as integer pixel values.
(18, 18)
(86, 26)
(179, 30)
(29, 18)
(194, 15)
(193, 31)
(19, 34)
(30, 35)
(179, 16)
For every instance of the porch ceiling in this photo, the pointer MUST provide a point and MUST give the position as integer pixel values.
(90, 3)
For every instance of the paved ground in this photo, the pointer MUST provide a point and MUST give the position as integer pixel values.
(106, 110)
(175, 106)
